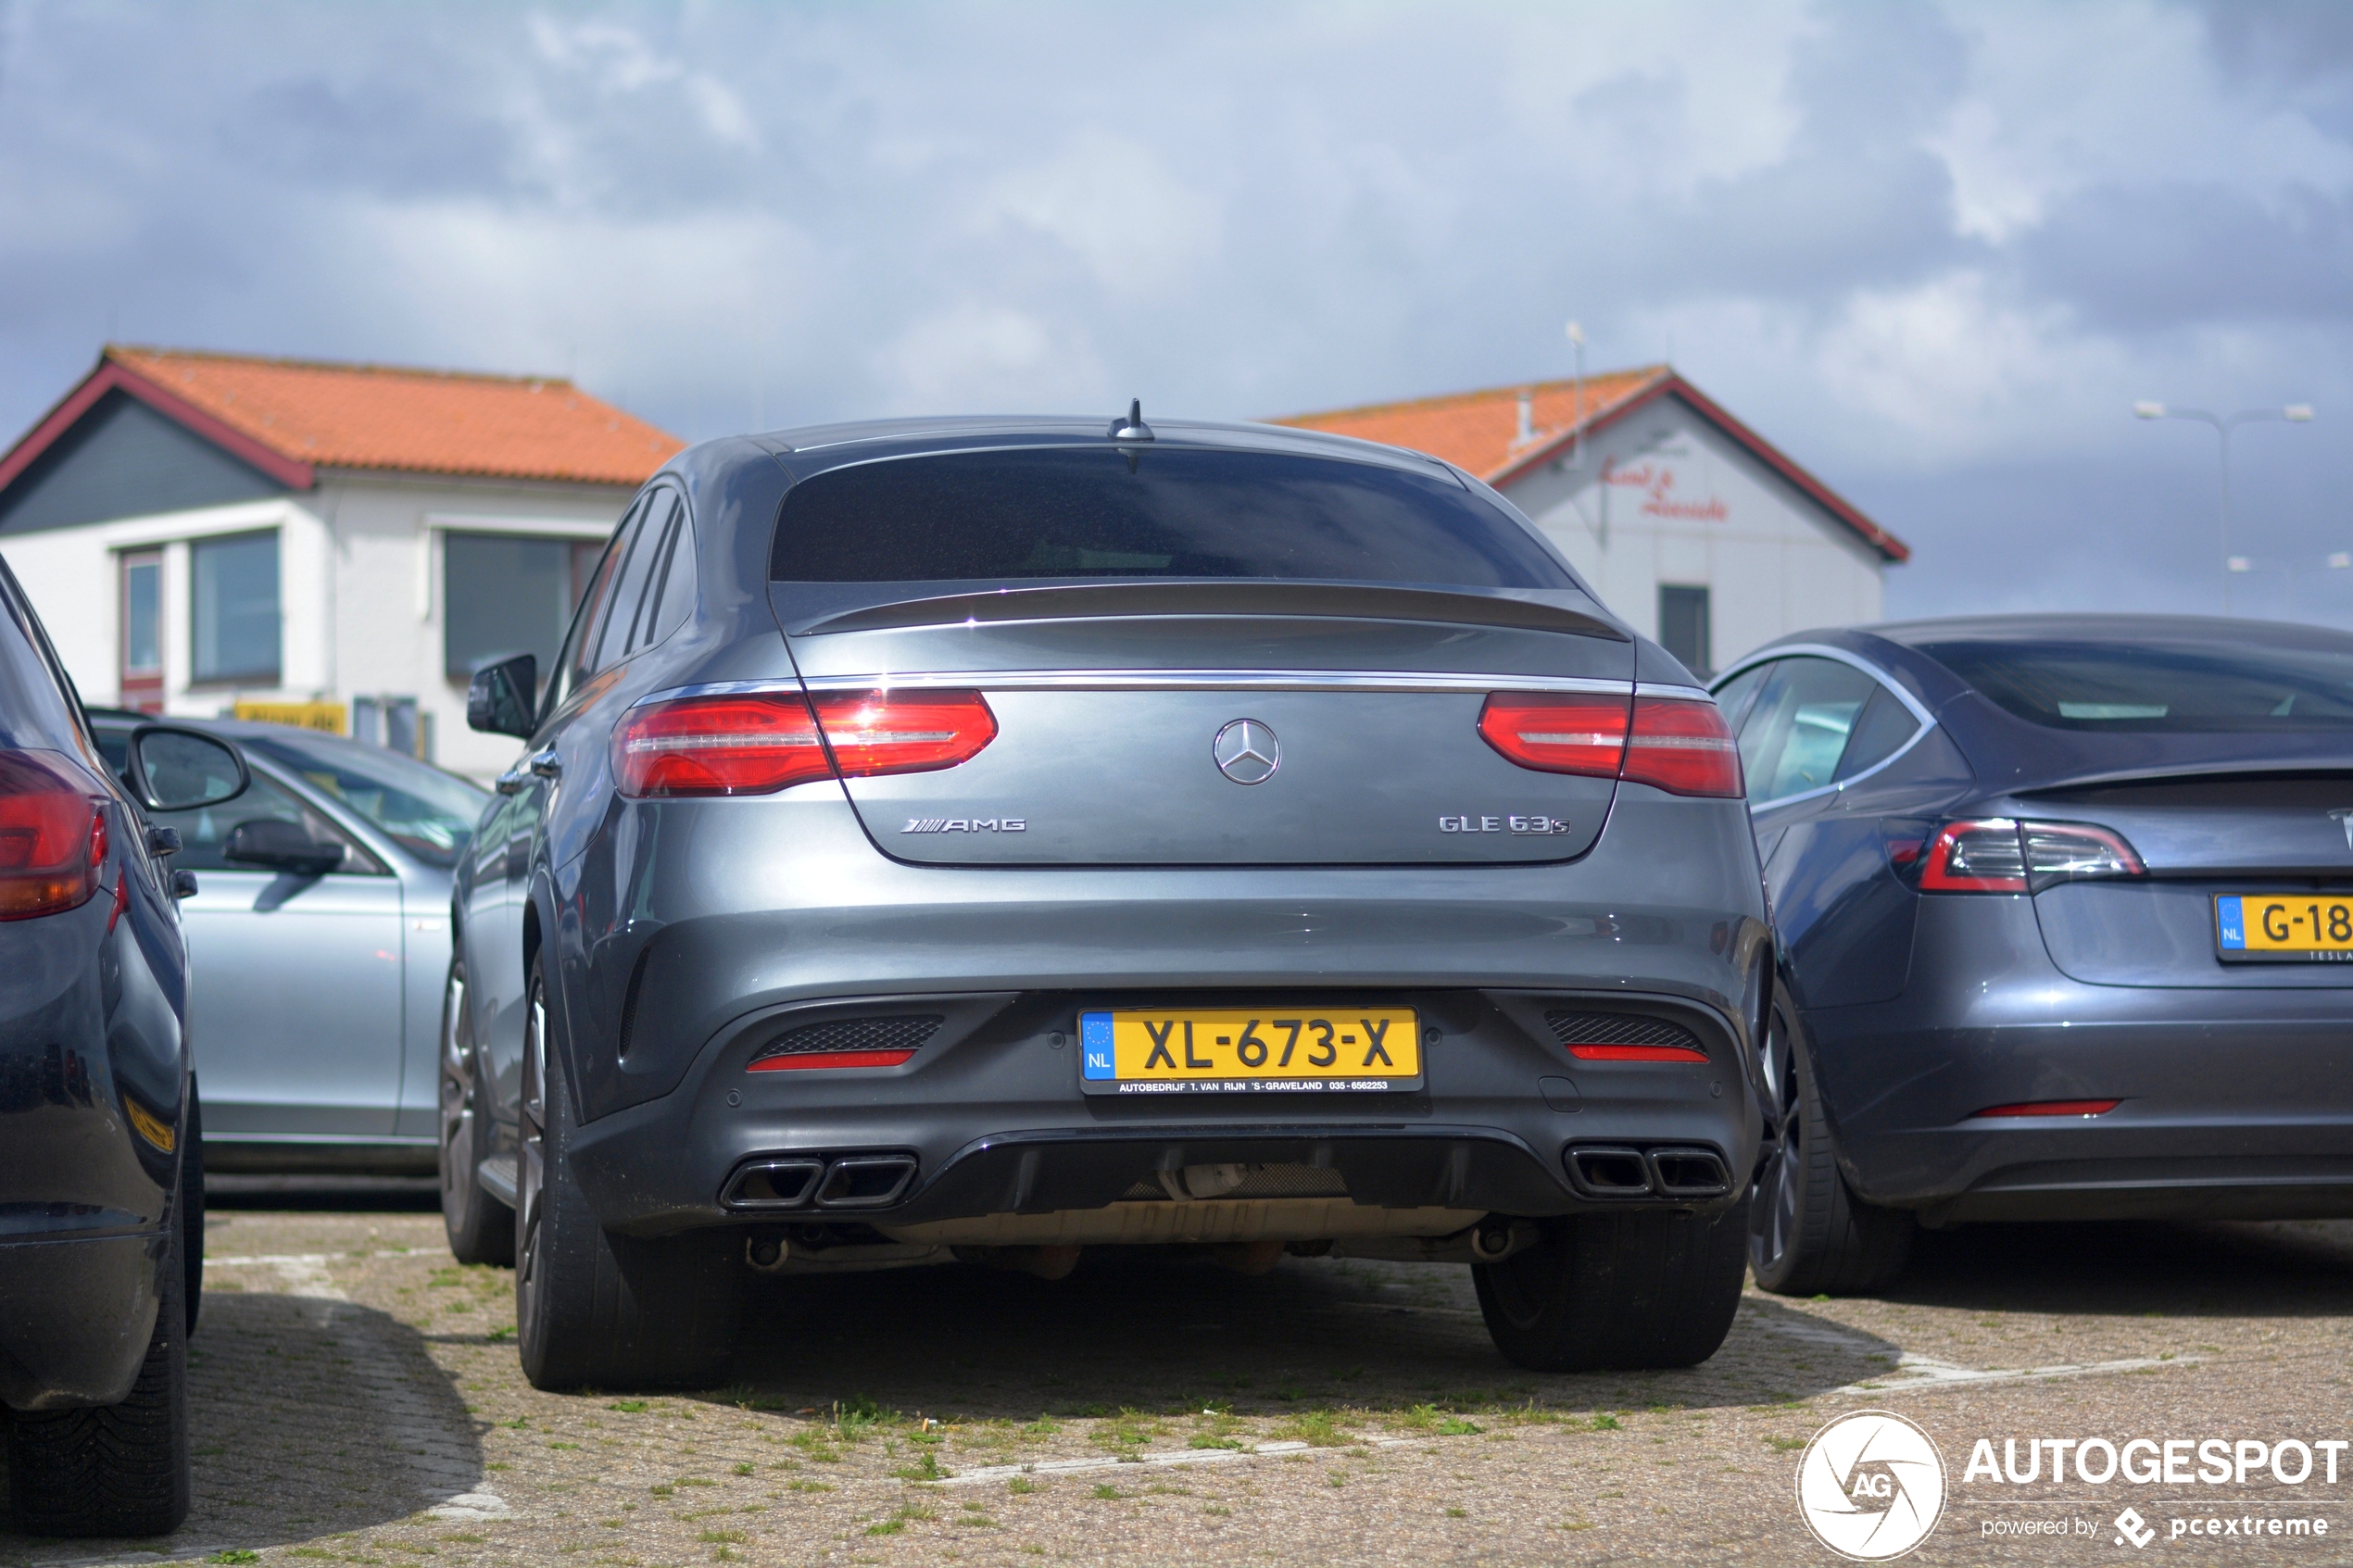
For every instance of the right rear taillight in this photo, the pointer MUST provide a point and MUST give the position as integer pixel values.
(760, 743)
(2000, 855)
(53, 835)
(1676, 745)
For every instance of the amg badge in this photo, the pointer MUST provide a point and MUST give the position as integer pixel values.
(966, 824)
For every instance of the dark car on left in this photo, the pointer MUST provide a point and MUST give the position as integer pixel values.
(101, 1182)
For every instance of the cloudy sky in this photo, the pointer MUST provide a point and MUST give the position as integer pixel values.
(1935, 252)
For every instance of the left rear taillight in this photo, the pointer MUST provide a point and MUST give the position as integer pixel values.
(760, 743)
(53, 835)
(2000, 855)
(1681, 746)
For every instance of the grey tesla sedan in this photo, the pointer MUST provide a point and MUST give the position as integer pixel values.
(989, 840)
(2066, 913)
(318, 940)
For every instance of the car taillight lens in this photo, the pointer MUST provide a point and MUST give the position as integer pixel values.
(1684, 748)
(1558, 732)
(760, 743)
(53, 835)
(1999, 855)
(2063, 852)
(913, 731)
(752, 744)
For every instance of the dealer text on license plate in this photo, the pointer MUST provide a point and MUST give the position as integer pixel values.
(2282, 928)
(1236, 1050)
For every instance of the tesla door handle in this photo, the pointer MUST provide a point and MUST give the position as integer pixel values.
(546, 763)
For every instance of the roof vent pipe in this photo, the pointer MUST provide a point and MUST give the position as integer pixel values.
(1527, 420)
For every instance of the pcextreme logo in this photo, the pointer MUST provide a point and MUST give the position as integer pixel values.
(1870, 1485)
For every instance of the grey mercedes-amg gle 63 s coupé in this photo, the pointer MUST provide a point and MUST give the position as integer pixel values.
(984, 840)
(2065, 905)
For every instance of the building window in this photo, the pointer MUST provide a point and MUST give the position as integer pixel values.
(142, 682)
(505, 594)
(235, 608)
(1683, 630)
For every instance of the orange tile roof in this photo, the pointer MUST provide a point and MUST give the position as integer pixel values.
(1480, 431)
(326, 415)
(1477, 430)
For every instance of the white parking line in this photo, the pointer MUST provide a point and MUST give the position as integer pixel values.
(1162, 1459)
(1911, 1369)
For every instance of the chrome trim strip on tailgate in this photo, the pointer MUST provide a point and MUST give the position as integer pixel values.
(1183, 680)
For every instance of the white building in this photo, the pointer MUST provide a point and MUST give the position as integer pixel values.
(1689, 524)
(336, 545)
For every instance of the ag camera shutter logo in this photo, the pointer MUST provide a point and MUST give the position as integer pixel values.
(1870, 1485)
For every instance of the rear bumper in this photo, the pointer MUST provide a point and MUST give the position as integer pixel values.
(75, 1318)
(2231, 1104)
(990, 1117)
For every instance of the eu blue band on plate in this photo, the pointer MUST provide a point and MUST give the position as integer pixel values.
(1094, 1046)
(2227, 912)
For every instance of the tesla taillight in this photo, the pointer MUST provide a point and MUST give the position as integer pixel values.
(53, 835)
(759, 742)
(907, 732)
(1558, 732)
(2063, 852)
(1974, 857)
(1999, 855)
(1684, 748)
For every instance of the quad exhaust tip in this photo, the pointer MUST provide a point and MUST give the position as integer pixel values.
(853, 1180)
(1674, 1173)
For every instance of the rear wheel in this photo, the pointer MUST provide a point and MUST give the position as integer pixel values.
(481, 1229)
(116, 1470)
(596, 1310)
(1617, 1292)
(1809, 1234)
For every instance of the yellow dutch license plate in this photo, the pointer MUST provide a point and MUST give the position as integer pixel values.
(2282, 928)
(1234, 1051)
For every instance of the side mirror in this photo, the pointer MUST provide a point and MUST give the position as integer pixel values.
(499, 699)
(279, 846)
(173, 769)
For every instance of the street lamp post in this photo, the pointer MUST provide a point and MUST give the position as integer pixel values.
(2297, 413)
(1577, 442)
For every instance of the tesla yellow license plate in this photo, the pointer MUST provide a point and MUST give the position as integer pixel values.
(1234, 1050)
(2282, 928)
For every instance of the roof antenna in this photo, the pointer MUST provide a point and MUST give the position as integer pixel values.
(1133, 427)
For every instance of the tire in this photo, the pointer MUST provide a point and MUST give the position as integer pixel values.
(481, 1229)
(1808, 1234)
(192, 1207)
(594, 1309)
(1617, 1292)
(116, 1470)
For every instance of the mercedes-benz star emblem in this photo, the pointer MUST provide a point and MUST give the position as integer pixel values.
(1247, 752)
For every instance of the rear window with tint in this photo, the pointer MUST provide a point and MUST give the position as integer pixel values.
(1060, 513)
(2159, 688)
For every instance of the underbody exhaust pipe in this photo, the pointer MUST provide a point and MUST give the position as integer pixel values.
(774, 1183)
(870, 1181)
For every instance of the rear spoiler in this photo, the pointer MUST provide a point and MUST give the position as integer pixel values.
(1248, 596)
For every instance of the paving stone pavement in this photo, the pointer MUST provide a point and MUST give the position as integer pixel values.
(356, 1398)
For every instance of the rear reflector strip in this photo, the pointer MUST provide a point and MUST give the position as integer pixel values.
(828, 1059)
(2051, 1108)
(1636, 1053)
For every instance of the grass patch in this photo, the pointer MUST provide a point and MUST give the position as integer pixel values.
(1316, 1428)
(235, 1554)
(1606, 1423)
(1783, 1445)
(1108, 1492)
(628, 1406)
(1021, 1483)
(807, 1487)
(925, 1468)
